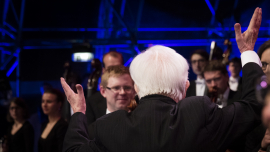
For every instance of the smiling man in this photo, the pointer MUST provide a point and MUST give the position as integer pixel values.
(117, 89)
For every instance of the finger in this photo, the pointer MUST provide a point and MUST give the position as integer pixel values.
(252, 22)
(66, 88)
(238, 34)
(80, 90)
(259, 20)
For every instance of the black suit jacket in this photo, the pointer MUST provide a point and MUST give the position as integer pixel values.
(191, 91)
(160, 124)
(239, 88)
(96, 106)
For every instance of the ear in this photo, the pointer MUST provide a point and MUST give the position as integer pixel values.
(136, 90)
(102, 91)
(186, 87)
(103, 70)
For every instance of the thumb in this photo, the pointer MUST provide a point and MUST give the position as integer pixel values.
(79, 90)
(237, 29)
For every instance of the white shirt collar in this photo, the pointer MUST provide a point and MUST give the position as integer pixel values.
(107, 111)
(200, 79)
(234, 79)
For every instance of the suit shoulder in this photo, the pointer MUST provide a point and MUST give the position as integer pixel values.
(195, 101)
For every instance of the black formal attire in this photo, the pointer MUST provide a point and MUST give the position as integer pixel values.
(191, 91)
(160, 124)
(96, 106)
(22, 140)
(54, 140)
(232, 97)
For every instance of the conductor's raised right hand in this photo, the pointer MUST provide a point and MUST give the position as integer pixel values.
(246, 41)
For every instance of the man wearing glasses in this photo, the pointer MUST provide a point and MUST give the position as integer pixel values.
(117, 89)
(198, 59)
(217, 78)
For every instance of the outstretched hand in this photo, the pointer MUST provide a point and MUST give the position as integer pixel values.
(246, 40)
(76, 100)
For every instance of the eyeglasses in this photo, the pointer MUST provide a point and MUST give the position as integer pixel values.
(215, 80)
(117, 89)
(199, 61)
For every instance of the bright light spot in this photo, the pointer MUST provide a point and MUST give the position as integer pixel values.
(82, 57)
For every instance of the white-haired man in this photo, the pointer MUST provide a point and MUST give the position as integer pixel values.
(164, 120)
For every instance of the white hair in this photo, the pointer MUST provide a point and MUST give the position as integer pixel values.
(160, 70)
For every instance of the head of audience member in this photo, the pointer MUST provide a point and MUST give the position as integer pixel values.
(216, 76)
(235, 67)
(52, 102)
(266, 110)
(112, 58)
(18, 110)
(160, 70)
(117, 87)
(199, 59)
(264, 54)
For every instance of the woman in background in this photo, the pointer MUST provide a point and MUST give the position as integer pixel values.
(20, 133)
(53, 131)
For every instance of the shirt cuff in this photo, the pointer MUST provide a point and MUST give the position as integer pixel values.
(250, 56)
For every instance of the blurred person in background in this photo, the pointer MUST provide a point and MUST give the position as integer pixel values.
(53, 131)
(20, 136)
(235, 67)
(265, 143)
(217, 78)
(259, 137)
(199, 60)
(96, 105)
(264, 54)
(112, 58)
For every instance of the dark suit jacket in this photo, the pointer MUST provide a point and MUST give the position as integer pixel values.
(233, 96)
(239, 88)
(96, 106)
(160, 124)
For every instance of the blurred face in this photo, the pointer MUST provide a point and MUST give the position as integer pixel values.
(111, 61)
(266, 112)
(119, 92)
(234, 69)
(216, 81)
(198, 63)
(49, 104)
(15, 111)
(265, 59)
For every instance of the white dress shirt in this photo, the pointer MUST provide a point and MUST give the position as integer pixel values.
(222, 100)
(200, 87)
(233, 82)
